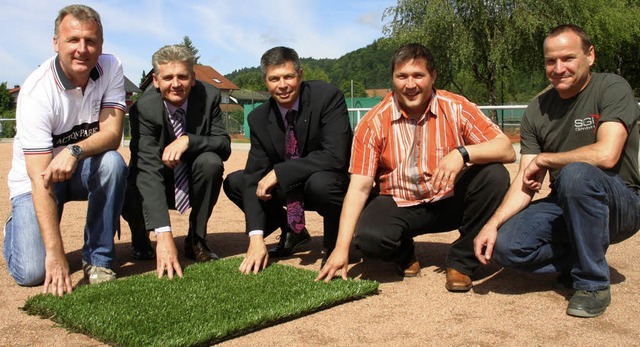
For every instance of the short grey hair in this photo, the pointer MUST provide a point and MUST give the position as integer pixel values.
(171, 53)
(278, 56)
(80, 12)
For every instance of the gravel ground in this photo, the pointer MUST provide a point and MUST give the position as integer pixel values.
(505, 307)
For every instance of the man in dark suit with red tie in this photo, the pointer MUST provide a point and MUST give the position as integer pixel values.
(178, 144)
(300, 147)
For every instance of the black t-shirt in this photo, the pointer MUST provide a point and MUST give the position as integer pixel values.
(552, 124)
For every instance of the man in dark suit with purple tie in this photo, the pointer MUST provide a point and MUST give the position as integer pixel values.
(309, 120)
(175, 128)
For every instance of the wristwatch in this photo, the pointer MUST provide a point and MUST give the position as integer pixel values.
(75, 151)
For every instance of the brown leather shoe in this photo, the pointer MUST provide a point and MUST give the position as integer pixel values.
(199, 253)
(457, 282)
(409, 269)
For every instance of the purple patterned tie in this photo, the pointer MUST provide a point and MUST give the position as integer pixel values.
(295, 204)
(180, 172)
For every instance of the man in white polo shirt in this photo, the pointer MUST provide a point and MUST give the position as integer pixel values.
(69, 125)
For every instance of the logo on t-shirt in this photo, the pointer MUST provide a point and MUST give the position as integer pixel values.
(79, 132)
(588, 123)
(95, 108)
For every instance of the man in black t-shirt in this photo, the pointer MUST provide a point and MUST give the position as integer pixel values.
(584, 133)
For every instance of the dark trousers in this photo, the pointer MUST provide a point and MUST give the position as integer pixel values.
(323, 192)
(386, 231)
(205, 180)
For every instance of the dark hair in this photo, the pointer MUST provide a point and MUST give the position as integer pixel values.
(413, 51)
(80, 12)
(278, 56)
(173, 53)
(563, 28)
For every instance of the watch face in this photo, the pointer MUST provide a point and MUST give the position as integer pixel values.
(76, 150)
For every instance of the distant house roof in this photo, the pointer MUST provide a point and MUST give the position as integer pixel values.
(249, 95)
(204, 73)
(130, 87)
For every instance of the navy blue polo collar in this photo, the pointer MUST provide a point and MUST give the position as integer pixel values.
(63, 81)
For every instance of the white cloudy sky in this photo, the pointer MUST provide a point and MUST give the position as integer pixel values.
(228, 34)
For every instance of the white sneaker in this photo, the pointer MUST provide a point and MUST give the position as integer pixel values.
(97, 274)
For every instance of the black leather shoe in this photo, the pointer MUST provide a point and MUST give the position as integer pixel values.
(589, 304)
(199, 252)
(143, 254)
(288, 244)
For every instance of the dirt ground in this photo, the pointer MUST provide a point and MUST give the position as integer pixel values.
(505, 307)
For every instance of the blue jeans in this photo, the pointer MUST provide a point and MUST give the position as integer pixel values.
(101, 180)
(571, 229)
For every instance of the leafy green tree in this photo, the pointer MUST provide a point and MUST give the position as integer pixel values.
(249, 79)
(6, 101)
(234, 122)
(189, 44)
(370, 65)
(7, 111)
(310, 73)
(358, 89)
(493, 40)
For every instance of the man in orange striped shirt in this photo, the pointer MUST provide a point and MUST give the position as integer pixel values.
(422, 161)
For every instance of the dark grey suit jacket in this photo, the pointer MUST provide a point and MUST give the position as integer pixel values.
(151, 132)
(324, 144)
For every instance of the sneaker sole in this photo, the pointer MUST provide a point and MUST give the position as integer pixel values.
(585, 314)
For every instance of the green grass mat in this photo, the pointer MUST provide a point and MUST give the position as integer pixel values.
(212, 303)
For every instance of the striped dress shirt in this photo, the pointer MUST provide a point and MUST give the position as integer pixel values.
(401, 153)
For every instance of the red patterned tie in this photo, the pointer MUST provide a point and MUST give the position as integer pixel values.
(180, 172)
(295, 204)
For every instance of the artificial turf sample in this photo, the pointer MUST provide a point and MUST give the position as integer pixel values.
(212, 303)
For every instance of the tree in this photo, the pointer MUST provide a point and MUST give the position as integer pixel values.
(249, 78)
(370, 65)
(492, 40)
(186, 41)
(7, 111)
(310, 73)
(6, 101)
(358, 89)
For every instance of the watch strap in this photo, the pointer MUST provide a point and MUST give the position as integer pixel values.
(465, 154)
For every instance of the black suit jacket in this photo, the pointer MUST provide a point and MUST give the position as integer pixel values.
(151, 132)
(324, 144)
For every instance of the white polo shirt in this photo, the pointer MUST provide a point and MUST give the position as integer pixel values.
(53, 113)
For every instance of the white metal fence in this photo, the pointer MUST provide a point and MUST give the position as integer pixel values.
(507, 115)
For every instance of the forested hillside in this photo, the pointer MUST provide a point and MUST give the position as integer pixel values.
(368, 67)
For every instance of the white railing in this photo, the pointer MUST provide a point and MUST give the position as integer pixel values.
(508, 115)
(355, 114)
